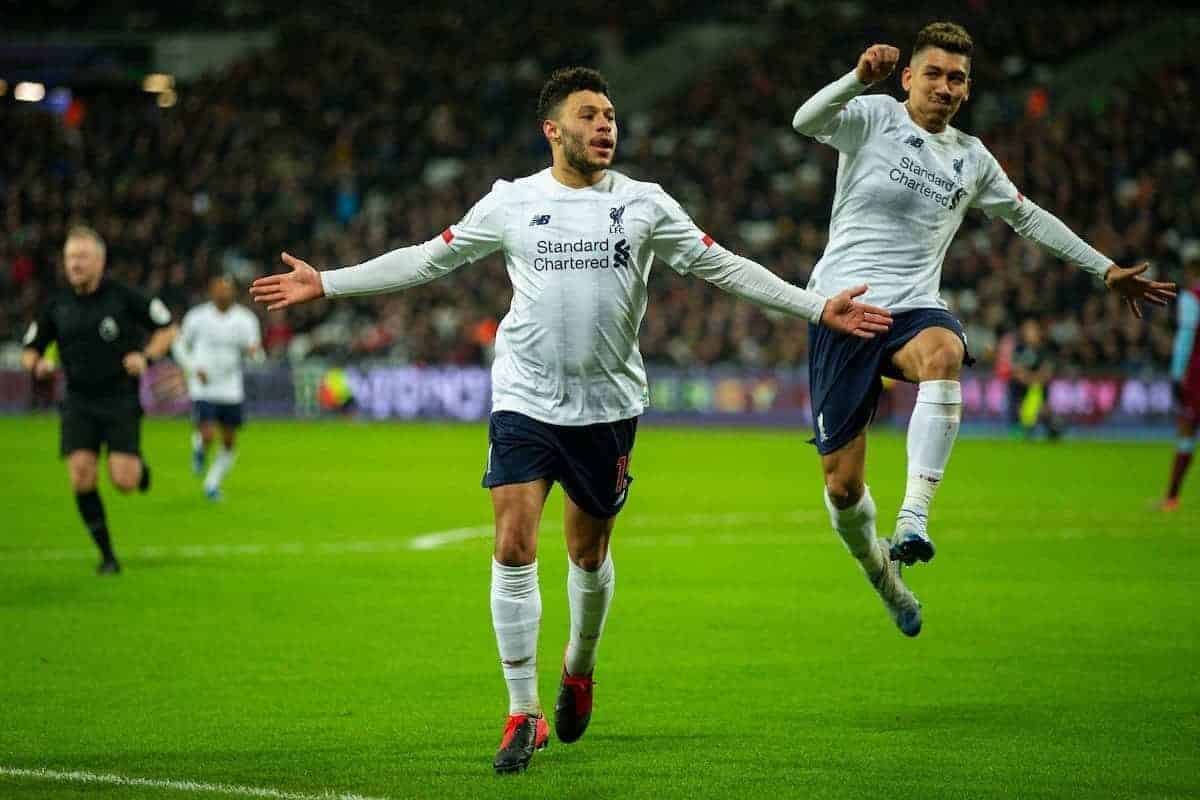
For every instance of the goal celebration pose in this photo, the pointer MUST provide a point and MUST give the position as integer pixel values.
(905, 180)
(568, 384)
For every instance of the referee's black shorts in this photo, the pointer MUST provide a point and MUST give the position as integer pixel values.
(88, 424)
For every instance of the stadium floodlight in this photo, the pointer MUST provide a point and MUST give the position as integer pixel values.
(29, 92)
(158, 82)
(167, 98)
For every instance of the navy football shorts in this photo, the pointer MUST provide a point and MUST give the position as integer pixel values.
(590, 461)
(228, 414)
(844, 372)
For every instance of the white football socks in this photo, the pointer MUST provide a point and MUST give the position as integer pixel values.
(219, 469)
(589, 595)
(516, 616)
(197, 442)
(856, 526)
(931, 434)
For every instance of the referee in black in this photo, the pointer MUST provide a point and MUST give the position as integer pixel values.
(100, 326)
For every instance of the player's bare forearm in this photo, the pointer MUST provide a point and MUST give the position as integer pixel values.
(160, 342)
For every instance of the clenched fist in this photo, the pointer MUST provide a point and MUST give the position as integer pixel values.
(876, 63)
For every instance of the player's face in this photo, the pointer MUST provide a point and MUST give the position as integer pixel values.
(937, 83)
(587, 128)
(1031, 333)
(220, 291)
(83, 262)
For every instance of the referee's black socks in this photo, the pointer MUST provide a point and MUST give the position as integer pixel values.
(92, 511)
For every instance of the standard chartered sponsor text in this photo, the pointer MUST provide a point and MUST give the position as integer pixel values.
(917, 178)
(593, 254)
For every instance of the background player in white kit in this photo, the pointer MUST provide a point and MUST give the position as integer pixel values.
(215, 340)
(568, 382)
(905, 181)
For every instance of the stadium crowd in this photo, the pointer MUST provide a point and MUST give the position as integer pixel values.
(364, 140)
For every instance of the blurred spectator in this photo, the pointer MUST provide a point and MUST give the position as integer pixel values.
(367, 139)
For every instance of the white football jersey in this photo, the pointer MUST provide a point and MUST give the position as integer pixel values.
(567, 350)
(216, 342)
(902, 193)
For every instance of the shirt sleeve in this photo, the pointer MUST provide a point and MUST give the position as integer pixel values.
(674, 238)
(998, 197)
(150, 313)
(253, 332)
(754, 282)
(477, 235)
(42, 331)
(1185, 336)
(836, 115)
(181, 348)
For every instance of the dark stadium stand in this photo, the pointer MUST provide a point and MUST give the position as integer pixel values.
(365, 140)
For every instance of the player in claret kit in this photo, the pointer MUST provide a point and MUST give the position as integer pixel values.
(905, 180)
(568, 382)
(1185, 375)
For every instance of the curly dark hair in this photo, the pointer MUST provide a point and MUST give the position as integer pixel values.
(948, 36)
(562, 82)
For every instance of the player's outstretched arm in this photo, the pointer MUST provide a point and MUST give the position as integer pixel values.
(301, 285)
(1129, 283)
(752, 281)
(819, 114)
(1000, 198)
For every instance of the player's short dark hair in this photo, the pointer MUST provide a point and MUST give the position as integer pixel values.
(562, 83)
(948, 36)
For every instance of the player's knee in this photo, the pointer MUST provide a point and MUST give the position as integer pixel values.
(83, 480)
(125, 480)
(588, 560)
(844, 491)
(516, 545)
(943, 362)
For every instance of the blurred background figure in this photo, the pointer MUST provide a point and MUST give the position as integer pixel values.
(215, 341)
(1185, 375)
(1032, 369)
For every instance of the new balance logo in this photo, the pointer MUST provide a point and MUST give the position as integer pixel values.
(540, 219)
(621, 254)
(915, 141)
(617, 215)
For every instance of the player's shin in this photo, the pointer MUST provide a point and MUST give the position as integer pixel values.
(589, 595)
(91, 509)
(1184, 448)
(932, 431)
(856, 526)
(219, 469)
(516, 616)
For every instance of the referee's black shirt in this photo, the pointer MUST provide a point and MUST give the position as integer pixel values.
(94, 333)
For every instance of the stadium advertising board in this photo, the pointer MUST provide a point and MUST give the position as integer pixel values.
(763, 396)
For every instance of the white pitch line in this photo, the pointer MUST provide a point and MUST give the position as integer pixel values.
(231, 790)
(437, 539)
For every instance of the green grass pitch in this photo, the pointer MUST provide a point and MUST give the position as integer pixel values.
(292, 637)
